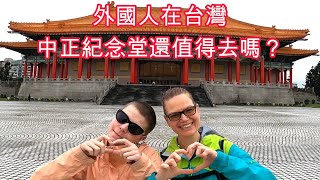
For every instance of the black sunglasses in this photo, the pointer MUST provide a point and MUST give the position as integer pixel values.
(133, 128)
(189, 111)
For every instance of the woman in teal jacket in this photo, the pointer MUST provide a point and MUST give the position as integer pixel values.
(199, 152)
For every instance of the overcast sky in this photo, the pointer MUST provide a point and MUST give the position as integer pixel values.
(284, 14)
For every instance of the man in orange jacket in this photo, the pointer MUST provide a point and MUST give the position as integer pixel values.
(118, 155)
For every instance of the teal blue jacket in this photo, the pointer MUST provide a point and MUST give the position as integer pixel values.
(231, 162)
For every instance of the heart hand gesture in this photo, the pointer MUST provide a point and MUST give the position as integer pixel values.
(207, 154)
(95, 147)
(170, 169)
(128, 150)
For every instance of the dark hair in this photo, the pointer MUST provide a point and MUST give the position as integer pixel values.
(170, 93)
(146, 111)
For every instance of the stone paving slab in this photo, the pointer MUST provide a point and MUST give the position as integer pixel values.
(284, 139)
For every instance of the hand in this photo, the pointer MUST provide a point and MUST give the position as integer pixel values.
(128, 150)
(207, 154)
(95, 147)
(170, 169)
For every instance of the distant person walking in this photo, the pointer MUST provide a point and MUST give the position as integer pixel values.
(96, 98)
(29, 98)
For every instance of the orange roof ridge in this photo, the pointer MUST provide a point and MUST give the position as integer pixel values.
(291, 51)
(30, 41)
(25, 44)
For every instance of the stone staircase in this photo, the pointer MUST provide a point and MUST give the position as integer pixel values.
(123, 94)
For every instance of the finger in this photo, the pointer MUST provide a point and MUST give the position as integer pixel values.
(102, 149)
(191, 149)
(194, 145)
(107, 140)
(86, 148)
(173, 156)
(181, 152)
(204, 154)
(107, 150)
(186, 171)
(125, 150)
(130, 153)
(172, 163)
(176, 157)
(120, 142)
(94, 148)
(199, 151)
(100, 145)
(165, 166)
(134, 158)
(102, 138)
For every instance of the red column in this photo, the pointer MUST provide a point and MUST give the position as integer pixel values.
(112, 69)
(285, 77)
(277, 76)
(181, 73)
(80, 64)
(48, 69)
(35, 65)
(106, 67)
(238, 70)
(136, 72)
(132, 70)
(212, 69)
(186, 71)
(25, 69)
(291, 78)
(89, 69)
(61, 70)
(251, 72)
(269, 75)
(40, 70)
(206, 75)
(54, 66)
(31, 70)
(262, 74)
(256, 74)
(230, 71)
(281, 76)
(65, 69)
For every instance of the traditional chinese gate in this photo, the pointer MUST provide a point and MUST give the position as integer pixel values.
(160, 72)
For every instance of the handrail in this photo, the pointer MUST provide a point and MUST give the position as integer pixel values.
(245, 84)
(110, 85)
(26, 80)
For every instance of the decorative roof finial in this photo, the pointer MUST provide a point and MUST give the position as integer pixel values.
(48, 20)
(111, 3)
(273, 26)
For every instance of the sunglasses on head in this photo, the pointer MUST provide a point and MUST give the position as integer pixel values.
(133, 128)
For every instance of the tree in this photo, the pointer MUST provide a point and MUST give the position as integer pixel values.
(4, 72)
(313, 78)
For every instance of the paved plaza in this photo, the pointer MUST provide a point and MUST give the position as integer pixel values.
(284, 139)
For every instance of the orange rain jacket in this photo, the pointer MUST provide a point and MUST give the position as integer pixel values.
(74, 164)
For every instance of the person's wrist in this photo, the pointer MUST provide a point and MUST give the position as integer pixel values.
(159, 177)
